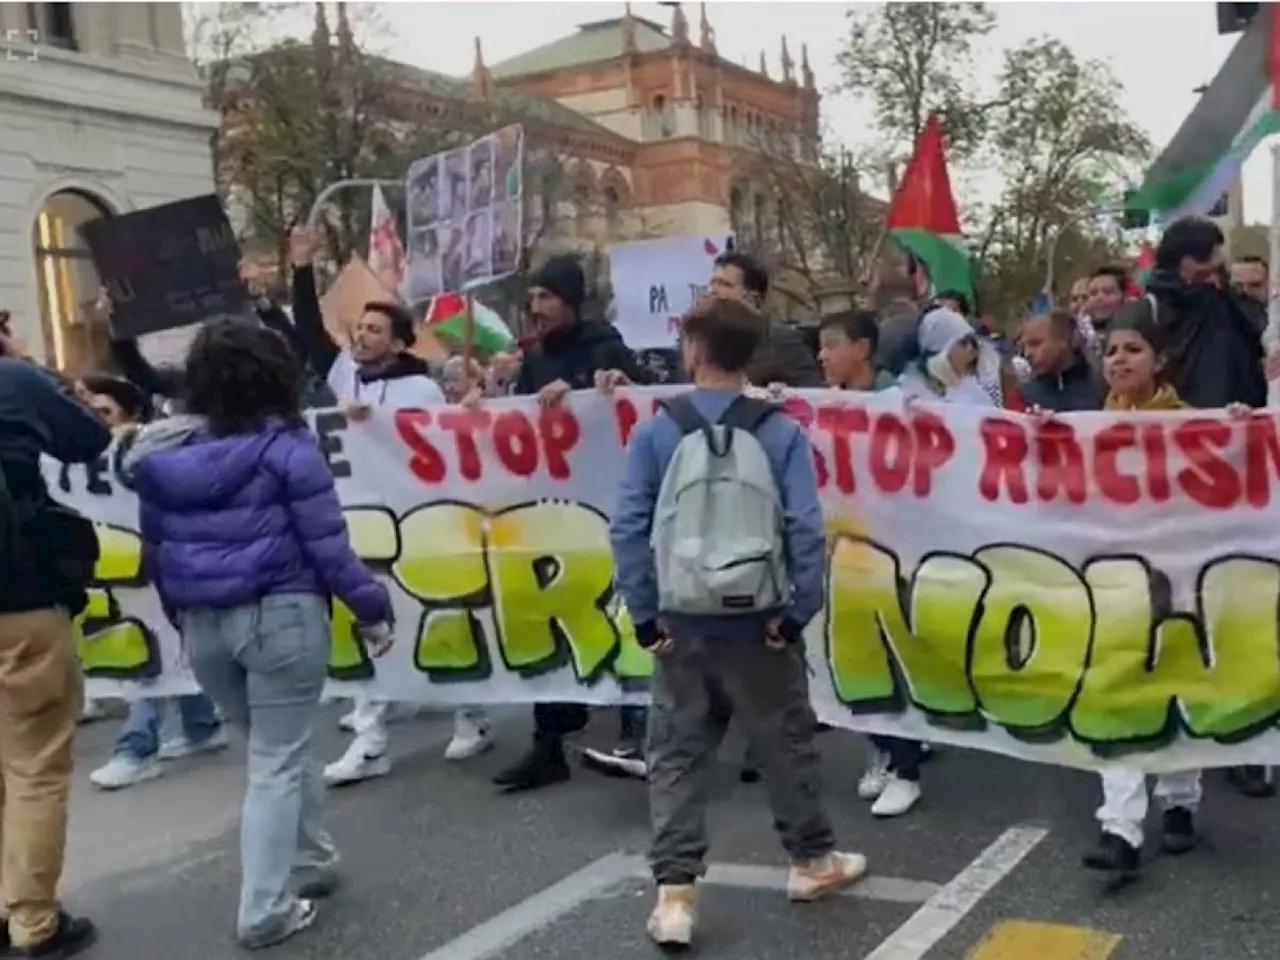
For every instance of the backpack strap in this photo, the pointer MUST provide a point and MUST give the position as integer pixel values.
(748, 413)
(684, 413)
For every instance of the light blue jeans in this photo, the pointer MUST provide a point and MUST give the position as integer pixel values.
(264, 665)
(140, 736)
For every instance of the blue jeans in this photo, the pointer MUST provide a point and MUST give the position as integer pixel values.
(140, 736)
(264, 665)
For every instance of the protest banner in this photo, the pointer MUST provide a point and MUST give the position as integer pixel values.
(465, 215)
(1096, 587)
(655, 282)
(168, 266)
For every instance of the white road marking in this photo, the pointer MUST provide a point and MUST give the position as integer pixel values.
(890, 889)
(515, 923)
(946, 908)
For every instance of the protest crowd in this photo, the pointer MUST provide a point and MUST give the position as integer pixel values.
(245, 543)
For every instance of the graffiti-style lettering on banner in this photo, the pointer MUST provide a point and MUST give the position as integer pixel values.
(1088, 590)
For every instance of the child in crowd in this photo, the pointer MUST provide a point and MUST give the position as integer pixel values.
(244, 541)
(1134, 368)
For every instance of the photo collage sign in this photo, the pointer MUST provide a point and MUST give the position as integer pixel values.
(465, 212)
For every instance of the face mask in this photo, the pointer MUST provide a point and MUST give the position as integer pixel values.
(939, 368)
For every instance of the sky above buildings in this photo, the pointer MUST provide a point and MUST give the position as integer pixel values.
(1158, 51)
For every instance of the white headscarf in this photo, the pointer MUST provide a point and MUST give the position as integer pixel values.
(941, 329)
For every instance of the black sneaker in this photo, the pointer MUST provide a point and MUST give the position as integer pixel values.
(542, 766)
(73, 936)
(1178, 831)
(1113, 855)
(1252, 781)
(749, 774)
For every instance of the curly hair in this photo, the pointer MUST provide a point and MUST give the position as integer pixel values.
(239, 375)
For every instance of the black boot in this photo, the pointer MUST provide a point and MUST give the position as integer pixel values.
(1252, 781)
(1113, 855)
(74, 935)
(1178, 831)
(542, 766)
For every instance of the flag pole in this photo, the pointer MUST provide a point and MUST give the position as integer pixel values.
(468, 335)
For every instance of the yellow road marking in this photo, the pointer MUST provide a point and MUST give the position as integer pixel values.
(1026, 940)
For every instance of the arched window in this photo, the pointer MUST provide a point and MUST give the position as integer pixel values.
(759, 223)
(612, 205)
(661, 116)
(74, 339)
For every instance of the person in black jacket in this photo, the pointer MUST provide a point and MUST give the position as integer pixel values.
(1214, 334)
(782, 356)
(46, 559)
(1062, 378)
(169, 381)
(571, 354)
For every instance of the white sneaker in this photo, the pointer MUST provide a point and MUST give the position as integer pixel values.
(897, 798)
(811, 881)
(673, 917)
(876, 776)
(302, 916)
(470, 737)
(124, 770)
(176, 748)
(355, 766)
(396, 713)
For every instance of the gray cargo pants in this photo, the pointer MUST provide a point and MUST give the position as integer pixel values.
(695, 690)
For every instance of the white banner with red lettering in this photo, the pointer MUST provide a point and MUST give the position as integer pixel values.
(1079, 591)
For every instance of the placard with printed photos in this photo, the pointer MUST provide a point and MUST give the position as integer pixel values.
(465, 215)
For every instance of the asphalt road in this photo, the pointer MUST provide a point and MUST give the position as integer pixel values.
(439, 866)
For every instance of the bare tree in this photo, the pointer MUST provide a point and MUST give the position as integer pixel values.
(802, 207)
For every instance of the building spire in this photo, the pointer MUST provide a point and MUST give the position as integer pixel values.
(628, 30)
(707, 38)
(481, 80)
(679, 25)
(806, 72)
(788, 73)
(764, 67)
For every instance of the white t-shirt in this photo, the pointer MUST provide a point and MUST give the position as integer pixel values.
(415, 391)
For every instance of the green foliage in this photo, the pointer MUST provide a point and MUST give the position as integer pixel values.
(912, 59)
(1053, 129)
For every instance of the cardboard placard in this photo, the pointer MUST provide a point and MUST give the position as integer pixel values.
(168, 266)
(344, 302)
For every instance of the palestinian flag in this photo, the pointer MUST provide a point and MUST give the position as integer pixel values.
(922, 217)
(447, 320)
(1142, 268)
(1234, 115)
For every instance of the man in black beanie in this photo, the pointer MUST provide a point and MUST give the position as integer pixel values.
(569, 353)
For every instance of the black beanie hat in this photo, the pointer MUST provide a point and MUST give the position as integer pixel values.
(562, 277)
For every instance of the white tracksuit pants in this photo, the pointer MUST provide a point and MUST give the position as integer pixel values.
(1124, 799)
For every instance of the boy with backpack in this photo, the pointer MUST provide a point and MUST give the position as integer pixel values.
(720, 554)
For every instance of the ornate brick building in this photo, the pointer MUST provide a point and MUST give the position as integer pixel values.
(683, 113)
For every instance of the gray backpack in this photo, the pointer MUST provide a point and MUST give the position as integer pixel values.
(717, 539)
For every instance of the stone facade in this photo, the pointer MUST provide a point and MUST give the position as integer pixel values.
(102, 112)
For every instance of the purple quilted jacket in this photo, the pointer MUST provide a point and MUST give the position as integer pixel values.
(226, 521)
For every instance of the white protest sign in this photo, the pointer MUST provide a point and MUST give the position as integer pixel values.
(655, 282)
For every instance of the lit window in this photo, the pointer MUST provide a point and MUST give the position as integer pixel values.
(74, 339)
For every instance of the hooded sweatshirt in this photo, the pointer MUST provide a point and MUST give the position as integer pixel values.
(1213, 341)
(226, 521)
(405, 382)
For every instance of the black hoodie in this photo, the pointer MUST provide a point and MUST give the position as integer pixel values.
(1213, 341)
(1078, 387)
(574, 354)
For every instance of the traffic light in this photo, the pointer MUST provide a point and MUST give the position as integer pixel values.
(1234, 17)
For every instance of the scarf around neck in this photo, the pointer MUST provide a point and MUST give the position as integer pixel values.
(1165, 398)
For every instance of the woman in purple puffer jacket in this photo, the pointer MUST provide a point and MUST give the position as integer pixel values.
(244, 540)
